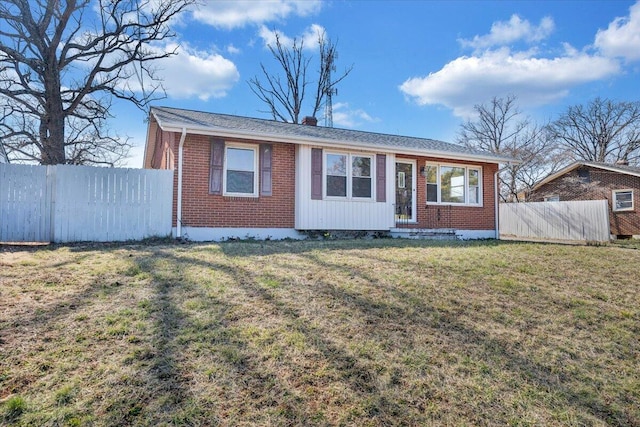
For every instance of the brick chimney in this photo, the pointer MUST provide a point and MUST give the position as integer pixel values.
(310, 121)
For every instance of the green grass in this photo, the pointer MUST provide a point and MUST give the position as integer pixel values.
(353, 333)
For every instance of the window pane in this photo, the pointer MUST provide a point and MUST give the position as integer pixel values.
(452, 184)
(336, 164)
(432, 193)
(474, 186)
(431, 173)
(239, 182)
(337, 186)
(474, 195)
(240, 159)
(361, 166)
(361, 187)
(474, 177)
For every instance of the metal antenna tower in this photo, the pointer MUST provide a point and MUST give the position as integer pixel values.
(329, 91)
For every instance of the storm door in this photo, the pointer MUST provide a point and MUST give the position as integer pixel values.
(405, 191)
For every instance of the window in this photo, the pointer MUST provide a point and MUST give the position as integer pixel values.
(553, 198)
(349, 176)
(448, 184)
(623, 200)
(240, 177)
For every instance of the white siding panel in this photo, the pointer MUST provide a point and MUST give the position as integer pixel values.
(339, 214)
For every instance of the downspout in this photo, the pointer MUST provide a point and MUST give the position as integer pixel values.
(497, 206)
(179, 201)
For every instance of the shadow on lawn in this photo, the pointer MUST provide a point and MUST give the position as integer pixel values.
(163, 391)
(472, 341)
(243, 248)
(361, 377)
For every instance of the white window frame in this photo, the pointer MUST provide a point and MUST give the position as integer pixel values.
(349, 167)
(552, 198)
(614, 200)
(256, 170)
(466, 184)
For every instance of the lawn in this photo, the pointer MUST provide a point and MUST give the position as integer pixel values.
(320, 333)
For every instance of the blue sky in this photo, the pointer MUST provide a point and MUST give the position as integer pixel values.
(419, 67)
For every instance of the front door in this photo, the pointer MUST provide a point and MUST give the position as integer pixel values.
(405, 191)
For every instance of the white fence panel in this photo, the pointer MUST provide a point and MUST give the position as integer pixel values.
(107, 205)
(556, 221)
(83, 203)
(24, 204)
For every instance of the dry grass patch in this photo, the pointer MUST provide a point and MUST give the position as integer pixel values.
(380, 332)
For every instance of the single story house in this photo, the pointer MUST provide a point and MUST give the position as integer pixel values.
(619, 184)
(239, 177)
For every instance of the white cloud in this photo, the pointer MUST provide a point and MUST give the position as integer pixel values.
(516, 29)
(192, 73)
(467, 81)
(622, 37)
(233, 50)
(269, 37)
(234, 13)
(309, 37)
(343, 116)
(532, 75)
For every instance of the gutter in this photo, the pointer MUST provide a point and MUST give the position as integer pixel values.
(179, 201)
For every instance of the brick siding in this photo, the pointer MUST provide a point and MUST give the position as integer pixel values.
(574, 185)
(432, 216)
(201, 209)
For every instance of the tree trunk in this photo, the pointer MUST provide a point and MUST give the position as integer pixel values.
(52, 122)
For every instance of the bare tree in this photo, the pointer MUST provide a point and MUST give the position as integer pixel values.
(285, 93)
(500, 128)
(602, 131)
(61, 64)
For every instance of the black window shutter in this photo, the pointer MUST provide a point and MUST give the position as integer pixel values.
(216, 166)
(316, 174)
(381, 177)
(265, 169)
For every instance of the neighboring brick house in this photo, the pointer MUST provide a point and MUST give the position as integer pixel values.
(239, 177)
(618, 184)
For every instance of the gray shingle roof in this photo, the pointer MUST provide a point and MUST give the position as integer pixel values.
(196, 121)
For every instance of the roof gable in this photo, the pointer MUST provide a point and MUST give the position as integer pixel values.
(622, 169)
(197, 122)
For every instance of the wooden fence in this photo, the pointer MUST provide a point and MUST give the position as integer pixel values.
(66, 203)
(581, 221)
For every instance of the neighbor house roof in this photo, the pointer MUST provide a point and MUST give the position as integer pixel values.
(198, 122)
(623, 169)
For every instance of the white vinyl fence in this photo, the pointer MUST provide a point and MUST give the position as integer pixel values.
(66, 203)
(583, 221)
